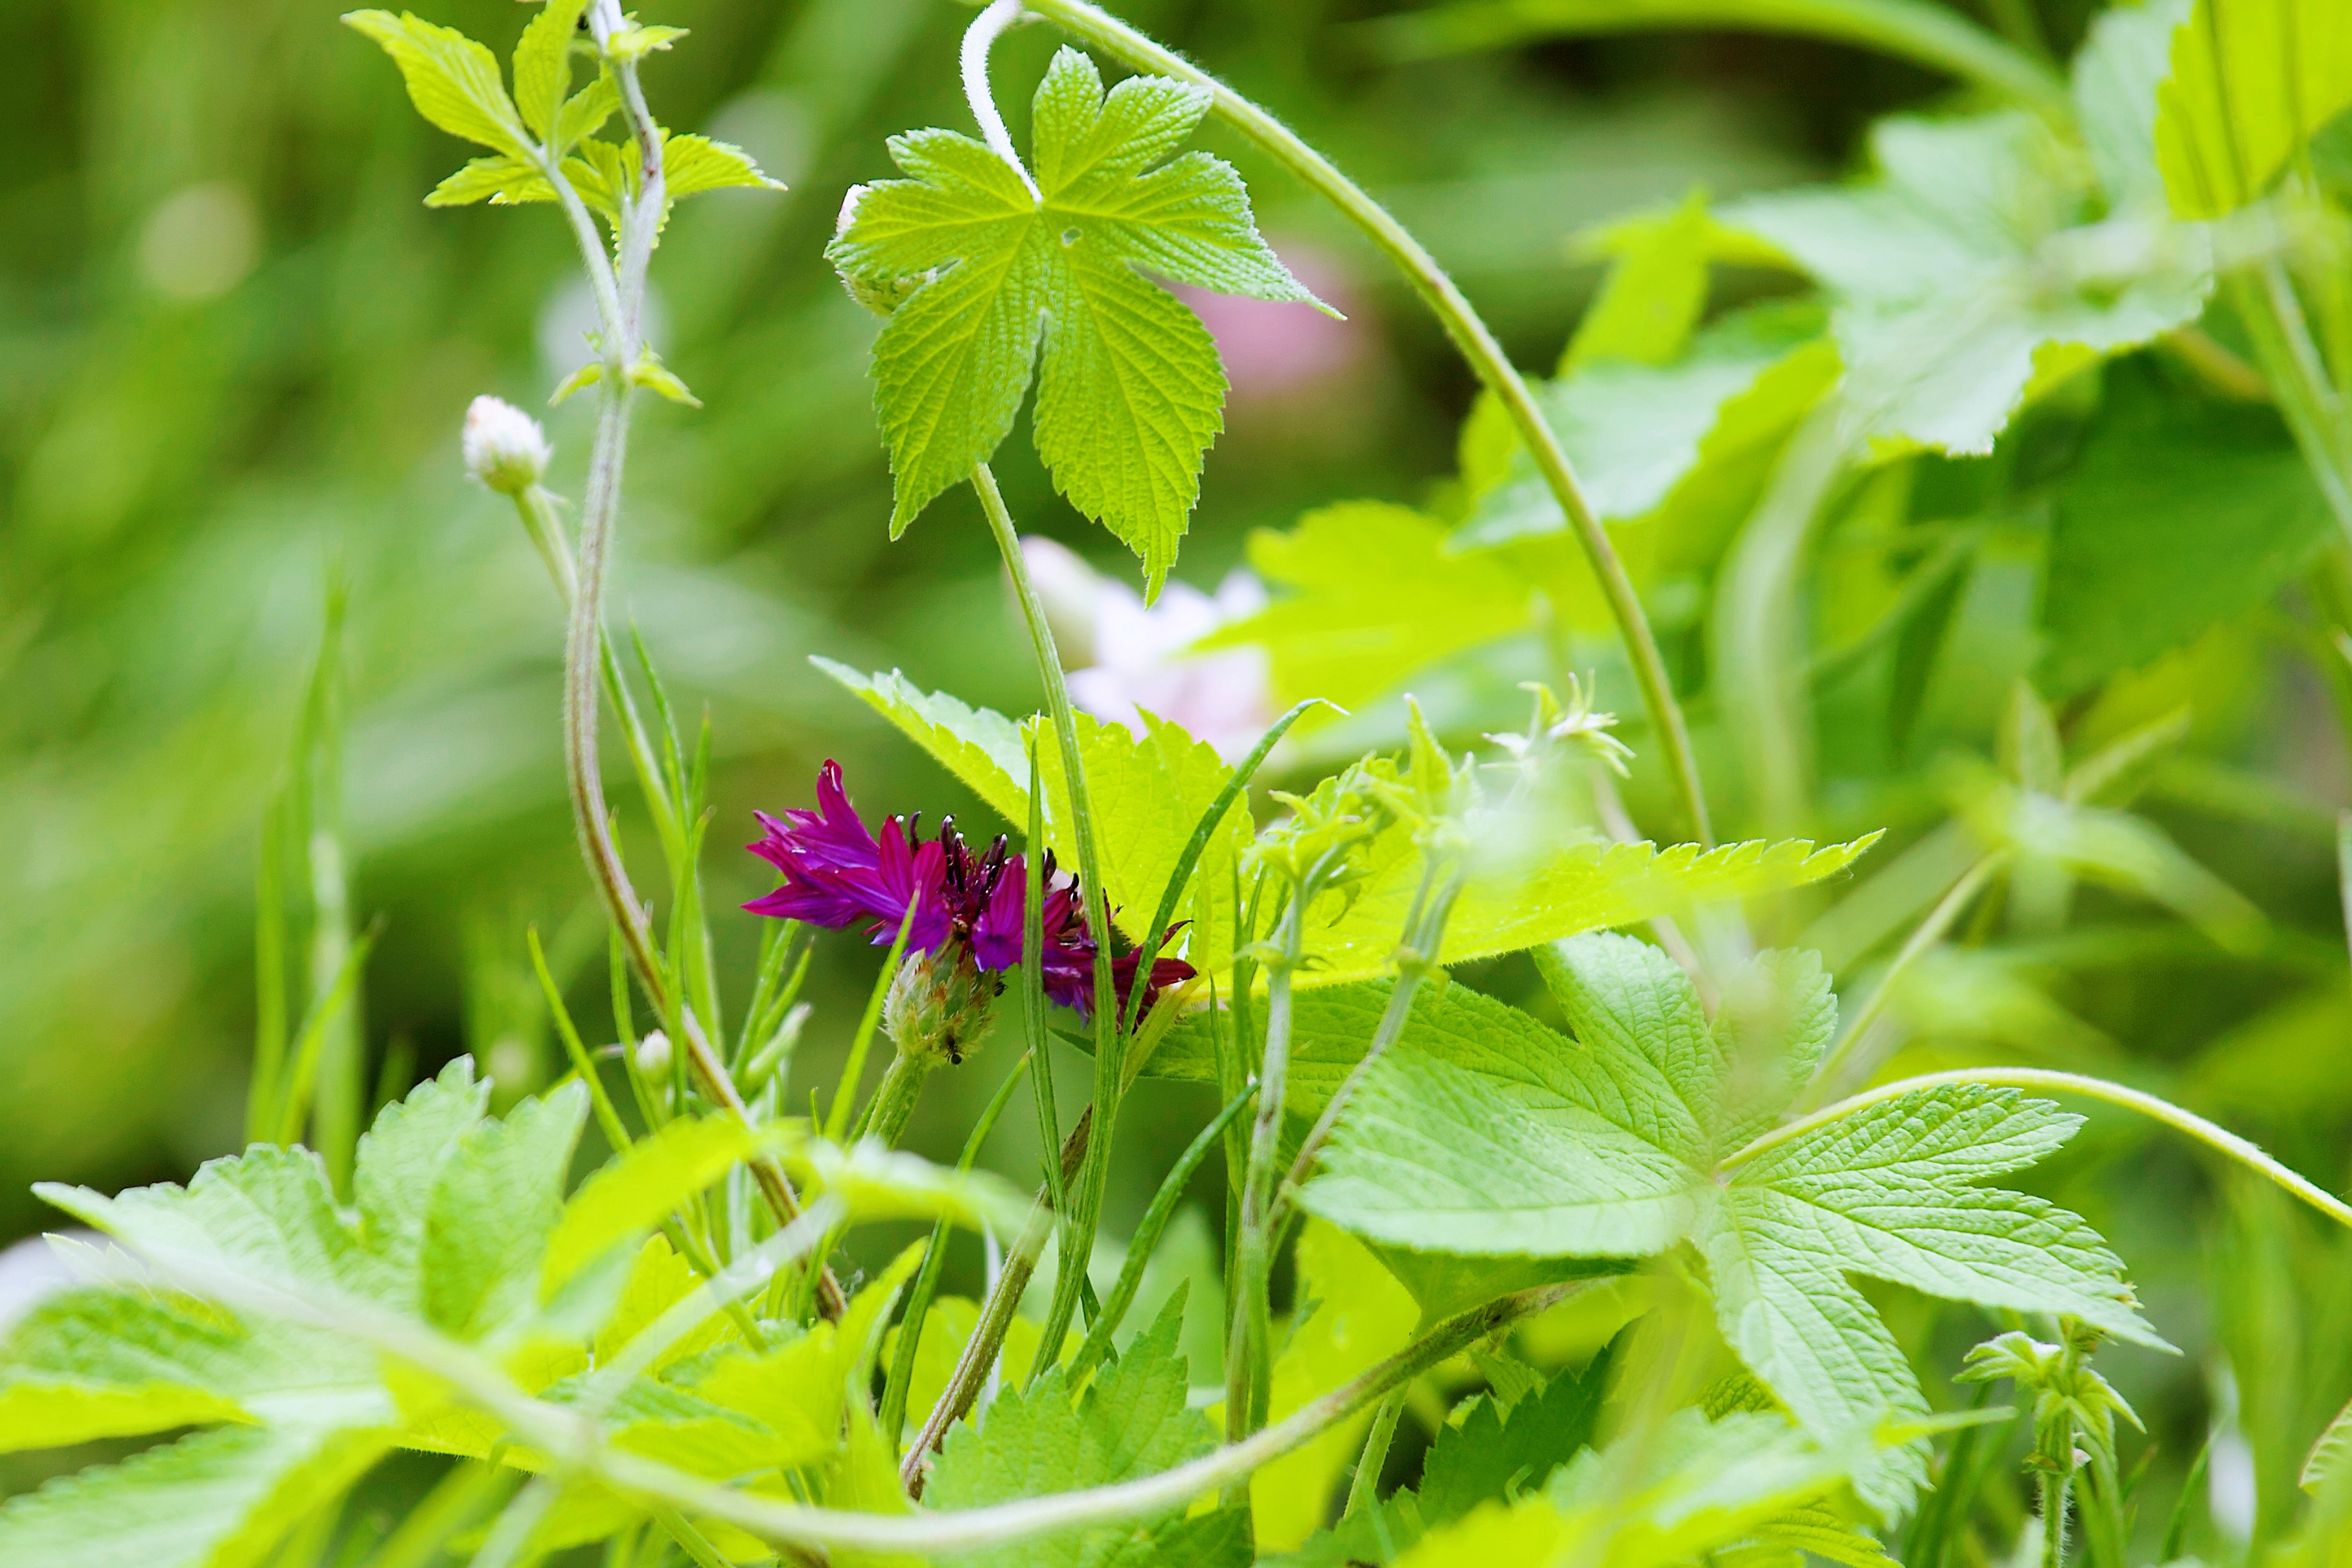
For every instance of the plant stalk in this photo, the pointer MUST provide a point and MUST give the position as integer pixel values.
(1085, 1207)
(620, 295)
(1471, 336)
(1249, 1340)
(2220, 1139)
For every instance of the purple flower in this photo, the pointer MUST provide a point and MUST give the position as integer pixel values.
(838, 875)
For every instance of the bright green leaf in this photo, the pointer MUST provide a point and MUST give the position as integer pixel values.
(494, 1206)
(2252, 82)
(628, 1198)
(542, 64)
(691, 164)
(1653, 295)
(402, 1155)
(453, 80)
(221, 1499)
(501, 180)
(1374, 596)
(1521, 1140)
(1131, 392)
(1974, 275)
(1130, 1421)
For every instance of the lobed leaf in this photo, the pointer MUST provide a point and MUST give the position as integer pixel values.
(1130, 393)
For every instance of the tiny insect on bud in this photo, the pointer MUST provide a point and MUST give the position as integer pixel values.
(505, 448)
(653, 1054)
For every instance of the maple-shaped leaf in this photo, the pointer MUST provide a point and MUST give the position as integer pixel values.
(1511, 1139)
(992, 266)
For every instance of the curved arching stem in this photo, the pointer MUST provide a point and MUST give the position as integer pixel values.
(1471, 336)
(2212, 1135)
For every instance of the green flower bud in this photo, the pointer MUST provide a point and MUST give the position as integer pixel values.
(939, 1005)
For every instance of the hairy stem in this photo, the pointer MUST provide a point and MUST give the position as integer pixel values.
(1471, 336)
(1249, 1340)
(567, 1434)
(1425, 929)
(1364, 1489)
(2220, 1139)
(1930, 932)
(1085, 1206)
(619, 295)
(987, 1342)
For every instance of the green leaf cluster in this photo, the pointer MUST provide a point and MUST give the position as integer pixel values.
(1629, 1140)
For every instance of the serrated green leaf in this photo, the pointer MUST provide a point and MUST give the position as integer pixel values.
(1131, 1420)
(104, 1362)
(221, 1499)
(1373, 595)
(626, 1200)
(1976, 273)
(2178, 514)
(1492, 1454)
(2330, 1454)
(1520, 1140)
(401, 1156)
(1567, 887)
(266, 1212)
(542, 64)
(2252, 82)
(1816, 1530)
(1131, 392)
(453, 80)
(978, 745)
(1149, 791)
(480, 1254)
(499, 180)
(585, 112)
(691, 164)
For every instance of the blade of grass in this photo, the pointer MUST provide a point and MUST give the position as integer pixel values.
(1147, 1235)
(311, 1044)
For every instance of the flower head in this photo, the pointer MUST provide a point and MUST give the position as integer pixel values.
(505, 448)
(839, 874)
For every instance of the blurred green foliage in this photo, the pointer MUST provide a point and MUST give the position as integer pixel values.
(235, 349)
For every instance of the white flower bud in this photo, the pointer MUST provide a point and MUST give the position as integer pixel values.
(505, 448)
(653, 1054)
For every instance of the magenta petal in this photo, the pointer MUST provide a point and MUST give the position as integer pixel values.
(996, 935)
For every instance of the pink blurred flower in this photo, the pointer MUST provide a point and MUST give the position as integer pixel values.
(1125, 658)
(1274, 352)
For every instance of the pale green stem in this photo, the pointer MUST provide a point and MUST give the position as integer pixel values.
(1931, 930)
(568, 1437)
(1471, 336)
(894, 1098)
(1761, 666)
(2220, 1139)
(1249, 1338)
(1085, 1206)
(1364, 1490)
(845, 1093)
(1424, 934)
(1146, 1240)
(620, 297)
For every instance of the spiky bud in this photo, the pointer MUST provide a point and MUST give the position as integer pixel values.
(939, 1005)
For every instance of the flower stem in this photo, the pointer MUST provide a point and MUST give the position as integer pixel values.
(1086, 1204)
(1249, 1341)
(620, 296)
(1364, 1490)
(2206, 1132)
(894, 1100)
(1147, 1237)
(1471, 336)
(1432, 905)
